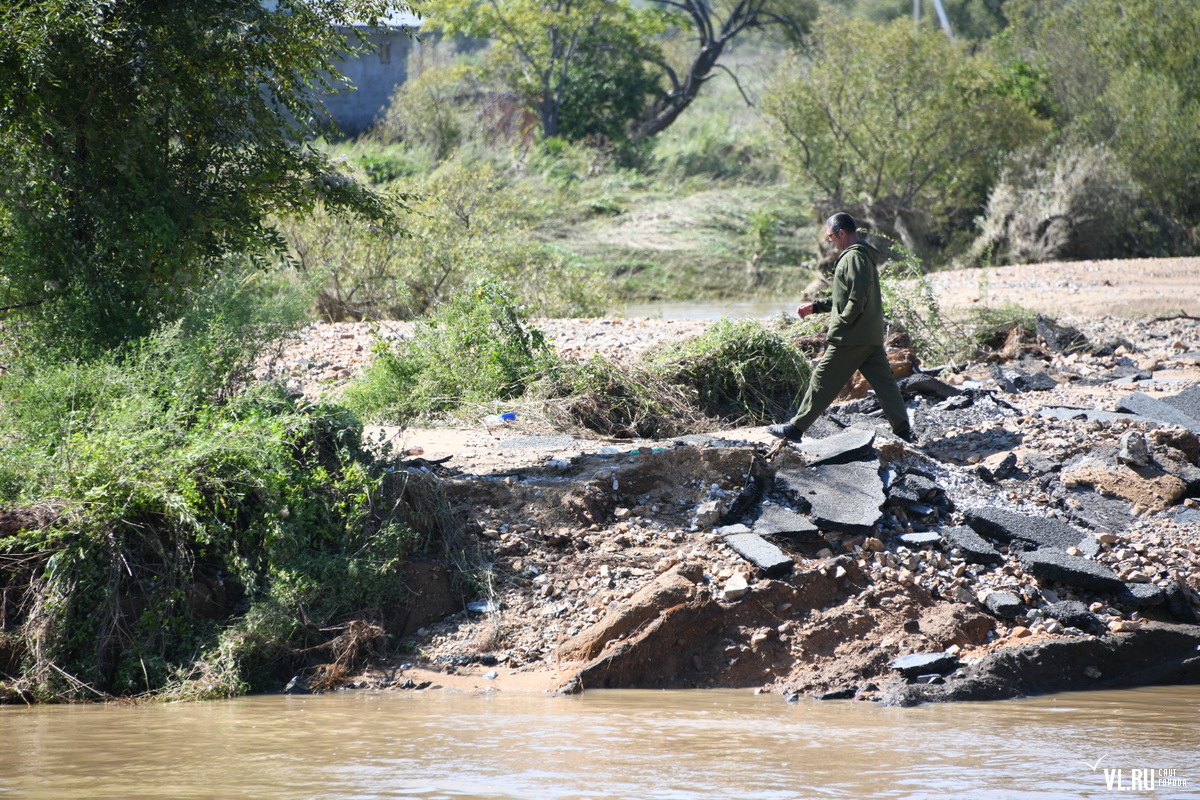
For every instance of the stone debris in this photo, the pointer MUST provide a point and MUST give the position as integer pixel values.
(1056, 514)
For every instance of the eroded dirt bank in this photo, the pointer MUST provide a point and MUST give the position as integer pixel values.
(1044, 534)
(1038, 538)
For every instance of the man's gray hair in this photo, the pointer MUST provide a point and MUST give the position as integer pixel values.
(841, 221)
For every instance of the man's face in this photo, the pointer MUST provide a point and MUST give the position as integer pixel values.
(836, 239)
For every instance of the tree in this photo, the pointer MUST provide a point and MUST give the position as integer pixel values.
(1122, 76)
(715, 24)
(593, 66)
(579, 63)
(895, 121)
(144, 143)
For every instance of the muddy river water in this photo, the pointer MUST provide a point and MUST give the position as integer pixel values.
(606, 744)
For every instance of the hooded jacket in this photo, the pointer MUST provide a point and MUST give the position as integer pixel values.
(856, 305)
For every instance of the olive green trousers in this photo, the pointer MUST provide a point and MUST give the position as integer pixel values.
(834, 370)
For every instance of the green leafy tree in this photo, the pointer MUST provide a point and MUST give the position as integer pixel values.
(896, 121)
(579, 63)
(1122, 75)
(142, 143)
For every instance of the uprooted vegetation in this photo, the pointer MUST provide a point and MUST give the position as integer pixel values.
(168, 534)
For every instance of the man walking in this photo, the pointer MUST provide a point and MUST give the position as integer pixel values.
(855, 337)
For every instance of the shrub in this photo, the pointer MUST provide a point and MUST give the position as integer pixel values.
(476, 348)
(470, 222)
(1073, 203)
(912, 152)
(180, 535)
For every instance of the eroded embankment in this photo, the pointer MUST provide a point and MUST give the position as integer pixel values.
(1023, 547)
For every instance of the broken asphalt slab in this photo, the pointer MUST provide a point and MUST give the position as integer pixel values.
(971, 545)
(1158, 410)
(853, 444)
(842, 497)
(780, 521)
(769, 559)
(915, 664)
(1055, 565)
(1009, 526)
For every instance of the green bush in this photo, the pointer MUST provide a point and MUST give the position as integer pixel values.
(175, 535)
(476, 348)
(470, 221)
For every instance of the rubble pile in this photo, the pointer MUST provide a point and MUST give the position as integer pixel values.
(1043, 535)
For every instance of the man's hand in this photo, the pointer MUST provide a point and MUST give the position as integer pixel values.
(804, 310)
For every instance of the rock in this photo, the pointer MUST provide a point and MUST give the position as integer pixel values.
(1008, 526)
(1032, 381)
(1149, 488)
(758, 551)
(842, 497)
(735, 588)
(1134, 450)
(1005, 605)
(1055, 565)
(915, 664)
(297, 685)
(1071, 613)
(1020, 632)
(999, 466)
(1140, 595)
(780, 521)
(1179, 604)
(973, 547)
(841, 448)
(927, 385)
(1123, 626)
(1058, 337)
(1146, 406)
(708, 513)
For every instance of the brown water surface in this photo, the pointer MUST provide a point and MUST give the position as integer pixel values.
(605, 744)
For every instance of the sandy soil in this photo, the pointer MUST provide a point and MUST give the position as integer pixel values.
(1146, 287)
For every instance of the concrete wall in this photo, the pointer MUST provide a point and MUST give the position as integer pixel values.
(375, 74)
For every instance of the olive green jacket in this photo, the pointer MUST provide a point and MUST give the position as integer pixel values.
(856, 305)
